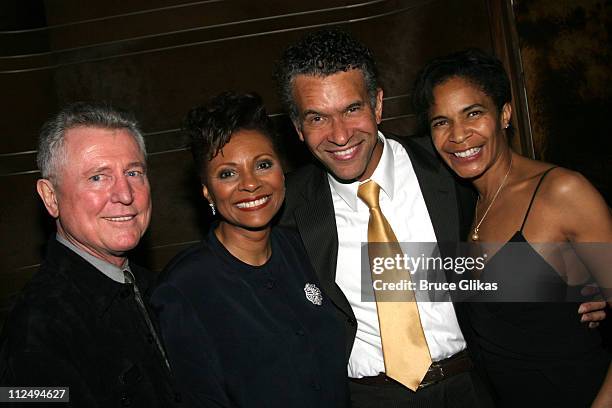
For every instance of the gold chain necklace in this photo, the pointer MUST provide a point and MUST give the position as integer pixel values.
(475, 236)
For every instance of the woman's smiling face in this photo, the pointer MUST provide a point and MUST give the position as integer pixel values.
(245, 180)
(466, 127)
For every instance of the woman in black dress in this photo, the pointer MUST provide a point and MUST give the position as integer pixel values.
(534, 353)
(241, 313)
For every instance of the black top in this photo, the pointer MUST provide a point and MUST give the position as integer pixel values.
(73, 326)
(247, 336)
(534, 353)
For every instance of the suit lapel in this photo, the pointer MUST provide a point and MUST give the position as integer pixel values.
(316, 223)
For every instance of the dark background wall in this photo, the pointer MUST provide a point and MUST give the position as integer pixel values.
(160, 57)
(567, 58)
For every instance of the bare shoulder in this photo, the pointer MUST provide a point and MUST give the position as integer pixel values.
(562, 185)
(570, 196)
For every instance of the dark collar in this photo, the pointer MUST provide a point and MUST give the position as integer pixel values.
(97, 288)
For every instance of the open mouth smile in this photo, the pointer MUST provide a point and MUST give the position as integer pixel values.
(468, 153)
(345, 154)
(122, 218)
(254, 204)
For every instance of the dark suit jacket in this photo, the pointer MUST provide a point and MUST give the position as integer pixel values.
(72, 326)
(309, 209)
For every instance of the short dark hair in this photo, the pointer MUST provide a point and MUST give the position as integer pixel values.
(324, 53)
(103, 115)
(211, 126)
(474, 65)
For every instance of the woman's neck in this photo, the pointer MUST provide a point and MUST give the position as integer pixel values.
(251, 247)
(489, 182)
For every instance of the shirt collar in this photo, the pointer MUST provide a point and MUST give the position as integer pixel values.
(108, 269)
(383, 175)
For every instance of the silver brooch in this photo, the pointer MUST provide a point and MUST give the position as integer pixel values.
(313, 294)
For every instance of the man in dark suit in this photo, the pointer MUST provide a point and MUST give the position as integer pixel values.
(81, 321)
(329, 87)
(328, 83)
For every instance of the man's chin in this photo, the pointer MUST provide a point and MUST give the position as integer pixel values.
(119, 249)
(345, 176)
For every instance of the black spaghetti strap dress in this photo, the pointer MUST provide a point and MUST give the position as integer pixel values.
(533, 353)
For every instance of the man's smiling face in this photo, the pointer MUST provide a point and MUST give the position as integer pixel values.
(338, 123)
(102, 198)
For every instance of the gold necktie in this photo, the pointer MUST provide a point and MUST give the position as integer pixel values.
(405, 349)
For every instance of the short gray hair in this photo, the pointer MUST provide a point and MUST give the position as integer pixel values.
(51, 152)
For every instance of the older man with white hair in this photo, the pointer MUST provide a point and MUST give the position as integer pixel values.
(81, 321)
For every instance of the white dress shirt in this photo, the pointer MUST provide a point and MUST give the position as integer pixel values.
(402, 203)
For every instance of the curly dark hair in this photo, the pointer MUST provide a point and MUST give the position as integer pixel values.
(324, 53)
(211, 126)
(475, 66)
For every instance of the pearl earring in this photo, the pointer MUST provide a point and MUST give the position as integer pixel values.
(212, 208)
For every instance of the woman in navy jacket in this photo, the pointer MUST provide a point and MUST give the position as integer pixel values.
(241, 314)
